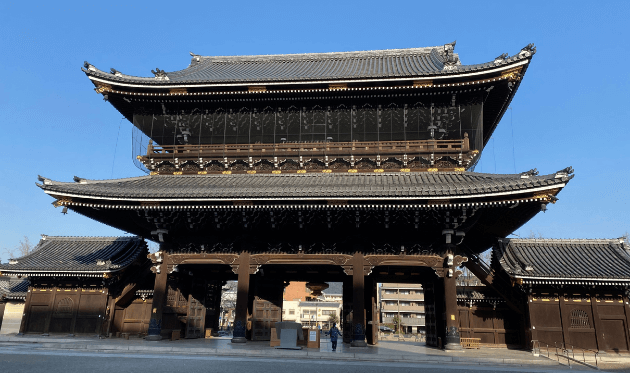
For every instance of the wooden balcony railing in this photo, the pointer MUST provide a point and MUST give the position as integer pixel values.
(311, 157)
(289, 149)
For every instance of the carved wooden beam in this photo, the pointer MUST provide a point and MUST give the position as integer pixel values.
(404, 260)
(297, 259)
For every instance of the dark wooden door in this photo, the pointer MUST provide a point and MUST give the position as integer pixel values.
(195, 319)
(266, 308)
(264, 317)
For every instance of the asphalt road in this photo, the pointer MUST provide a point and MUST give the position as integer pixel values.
(16, 359)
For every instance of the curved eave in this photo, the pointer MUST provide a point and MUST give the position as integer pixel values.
(580, 281)
(49, 273)
(151, 83)
(322, 198)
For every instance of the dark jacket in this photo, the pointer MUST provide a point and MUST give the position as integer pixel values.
(334, 333)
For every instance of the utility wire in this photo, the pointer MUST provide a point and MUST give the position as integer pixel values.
(116, 147)
(512, 126)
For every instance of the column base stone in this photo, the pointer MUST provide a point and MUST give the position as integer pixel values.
(453, 346)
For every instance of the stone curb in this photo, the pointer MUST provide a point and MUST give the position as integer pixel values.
(83, 345)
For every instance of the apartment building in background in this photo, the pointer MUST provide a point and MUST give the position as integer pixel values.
(405, 301)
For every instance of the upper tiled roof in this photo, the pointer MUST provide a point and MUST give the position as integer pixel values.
(566, 259)
(390, 63)
(77, 256)
(424, 185)
(13, 288)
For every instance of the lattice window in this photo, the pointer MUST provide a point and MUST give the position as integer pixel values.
(64, 306)
(579, 320)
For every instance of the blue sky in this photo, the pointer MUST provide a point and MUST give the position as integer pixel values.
(571, 108)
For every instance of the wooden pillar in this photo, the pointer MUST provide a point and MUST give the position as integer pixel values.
(110, 313)
(345, 320)
(564, 317)
(27, 311)
(376, 314)
(529, 334)
(358, 301)
(371, 316)
(242, 298)
(154, 333)
(625, 310)
(452, 341)
(597, 323)
(51, 309)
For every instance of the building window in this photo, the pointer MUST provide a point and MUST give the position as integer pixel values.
(406, 292)
(329, 312)
(291, 312)
(405, 304)
(389, 291)
(579, 319)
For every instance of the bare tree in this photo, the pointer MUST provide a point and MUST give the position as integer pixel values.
(228, 302)
(533, 234)
(23, 248)
(228, 296)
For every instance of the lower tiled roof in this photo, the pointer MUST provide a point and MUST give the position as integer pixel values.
(77, 256)
(334, 288)
(564, 259)
(305, 186)
(477, 293)
(13, 288)
(319, 304)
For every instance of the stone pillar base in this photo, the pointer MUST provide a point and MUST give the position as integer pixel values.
(153, 338)
(239, 340)
(358, 344)
(453, 346)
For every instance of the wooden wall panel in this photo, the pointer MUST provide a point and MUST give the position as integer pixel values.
(135, 318)
(494, 326)
(37, 315)
(580, 319)
(65, 311)
(615, 335)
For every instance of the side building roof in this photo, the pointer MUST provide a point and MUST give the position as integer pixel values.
(319, 304)
(334, 288)
(77, 256)
(573, 261)
(477, 294)
(13, 288)
(315, 67)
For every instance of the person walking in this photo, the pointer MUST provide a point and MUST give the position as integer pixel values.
(334, 333)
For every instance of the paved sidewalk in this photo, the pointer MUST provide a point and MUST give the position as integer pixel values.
(385, 351)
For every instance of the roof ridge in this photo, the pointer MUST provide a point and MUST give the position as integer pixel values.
(564, 240)
(90, 238)
(319, 55)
